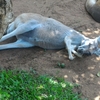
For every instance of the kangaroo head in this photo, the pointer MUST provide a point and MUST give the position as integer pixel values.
(89, 46)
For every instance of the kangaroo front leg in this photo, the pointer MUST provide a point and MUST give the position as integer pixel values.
(69, 47)
(77, 54)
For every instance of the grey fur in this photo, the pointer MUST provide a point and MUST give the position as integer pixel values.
(93, 8)
(35, 30)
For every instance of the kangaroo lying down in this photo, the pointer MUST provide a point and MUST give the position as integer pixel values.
(35, 30)
(93, 8)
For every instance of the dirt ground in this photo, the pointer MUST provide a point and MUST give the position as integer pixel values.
(81, 70)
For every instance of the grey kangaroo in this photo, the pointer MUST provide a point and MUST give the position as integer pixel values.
(93, 8)
(35, 30)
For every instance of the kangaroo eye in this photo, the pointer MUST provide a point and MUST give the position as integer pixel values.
(90, 45)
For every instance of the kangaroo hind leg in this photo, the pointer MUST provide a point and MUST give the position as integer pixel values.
(21, 29)
(18, 44)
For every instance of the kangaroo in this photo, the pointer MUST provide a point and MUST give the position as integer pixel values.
(93, 8)
(35, 30)
(6, 15)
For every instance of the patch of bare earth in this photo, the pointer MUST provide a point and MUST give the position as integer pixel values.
(81, 70)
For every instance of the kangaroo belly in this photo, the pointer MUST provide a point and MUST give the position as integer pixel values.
(44, 39)
(48, 40)
(46, 44)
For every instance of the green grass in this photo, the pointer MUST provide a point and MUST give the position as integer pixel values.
(20, 85)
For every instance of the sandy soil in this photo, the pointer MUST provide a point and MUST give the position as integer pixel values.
(81, 70)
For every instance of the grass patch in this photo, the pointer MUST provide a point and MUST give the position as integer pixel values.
(20, 85)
